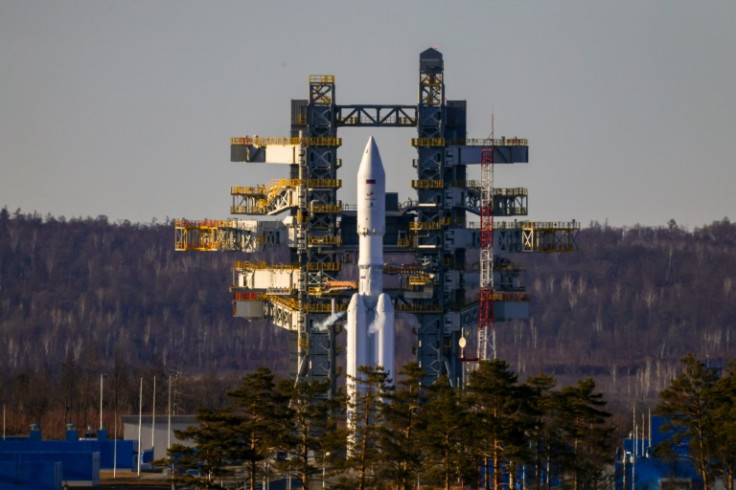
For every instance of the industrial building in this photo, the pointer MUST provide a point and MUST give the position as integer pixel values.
(33, 463)
(460, 280)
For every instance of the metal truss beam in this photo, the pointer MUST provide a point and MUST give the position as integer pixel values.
(530, 236)
(376, 115)
(228, 235)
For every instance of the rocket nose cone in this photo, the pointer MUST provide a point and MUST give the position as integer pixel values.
(371, 164)
(384, 304)
(371, 150)
(356, 304)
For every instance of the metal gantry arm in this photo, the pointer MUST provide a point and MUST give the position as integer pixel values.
(247, 236)
(376, 115)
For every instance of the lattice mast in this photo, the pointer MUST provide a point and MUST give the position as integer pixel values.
(486, 317)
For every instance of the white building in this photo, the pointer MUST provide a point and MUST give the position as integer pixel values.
(159, 440)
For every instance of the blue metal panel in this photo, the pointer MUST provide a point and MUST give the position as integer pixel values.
(106, 449)
(511, 154)
(510, 310)
(471, 155)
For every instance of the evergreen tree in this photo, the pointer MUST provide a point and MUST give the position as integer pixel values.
(401, 425)
(447, 431)
(497, 407)
(366, 417)
(688, 404)
(257, 422)
(545, 439)
(724, 424)
(313, 426)
(203, 464)
(588, 437)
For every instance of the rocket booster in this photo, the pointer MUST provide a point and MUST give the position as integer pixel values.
(370, 320)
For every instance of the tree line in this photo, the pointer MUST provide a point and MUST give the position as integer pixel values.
(80, 296)
(494, 432)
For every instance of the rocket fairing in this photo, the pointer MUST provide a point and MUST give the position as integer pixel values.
(370, 319)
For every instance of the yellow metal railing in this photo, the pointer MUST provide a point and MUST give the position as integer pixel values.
(277, 185)
(323, 266)
(237, 190)
(532, 225)
(323, 183)
(261, 265)
(549, 225)
(498, 191)
(420, 280)
(490, 142)
(258, 141)
(403, 242)
(513, 191)
(419, 308)
(324, 240)
(325, 208)
(205, 223)
(427, 142)
(427, 184)
(428, 225)
(259, 206)
(249, 296)
(321, 78)
(295, 305)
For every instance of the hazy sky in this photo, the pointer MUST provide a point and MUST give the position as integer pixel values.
(126, 108)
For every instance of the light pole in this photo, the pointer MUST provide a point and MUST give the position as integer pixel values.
(102, 377)
(324, 466)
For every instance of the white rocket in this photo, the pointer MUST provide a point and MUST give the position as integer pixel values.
(370, 322)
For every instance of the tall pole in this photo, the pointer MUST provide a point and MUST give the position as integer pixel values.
(324, 467)
(115, 425)
(650, 428)
(168, 435)
(102, 377)
(168, 429)
(153, 418)
(140, 423)
(115, 444)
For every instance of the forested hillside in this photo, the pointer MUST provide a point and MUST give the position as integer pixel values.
(79, 297)
(628, 306)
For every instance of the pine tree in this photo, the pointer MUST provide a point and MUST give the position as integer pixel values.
(724, 424)
(208, 459)
(313, 426)
(688, 404)
(445, 436)
(257, 421)
(399, 433)
(364, 453)
(498, 422)
(587, 435)
(544, 436)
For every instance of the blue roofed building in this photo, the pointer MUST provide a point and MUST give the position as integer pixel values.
(643, 462)
(33, 463)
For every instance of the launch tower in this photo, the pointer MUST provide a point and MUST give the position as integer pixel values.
(443, 286)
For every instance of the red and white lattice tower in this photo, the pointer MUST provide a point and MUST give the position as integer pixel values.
(486, 318)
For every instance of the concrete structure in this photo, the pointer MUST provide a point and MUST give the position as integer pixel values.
(155, 432)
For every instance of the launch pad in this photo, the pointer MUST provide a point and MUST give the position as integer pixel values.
(452, 295)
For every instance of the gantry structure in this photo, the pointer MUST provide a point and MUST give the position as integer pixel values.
(446, 279)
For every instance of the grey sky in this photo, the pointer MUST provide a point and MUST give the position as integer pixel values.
(126, 108)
